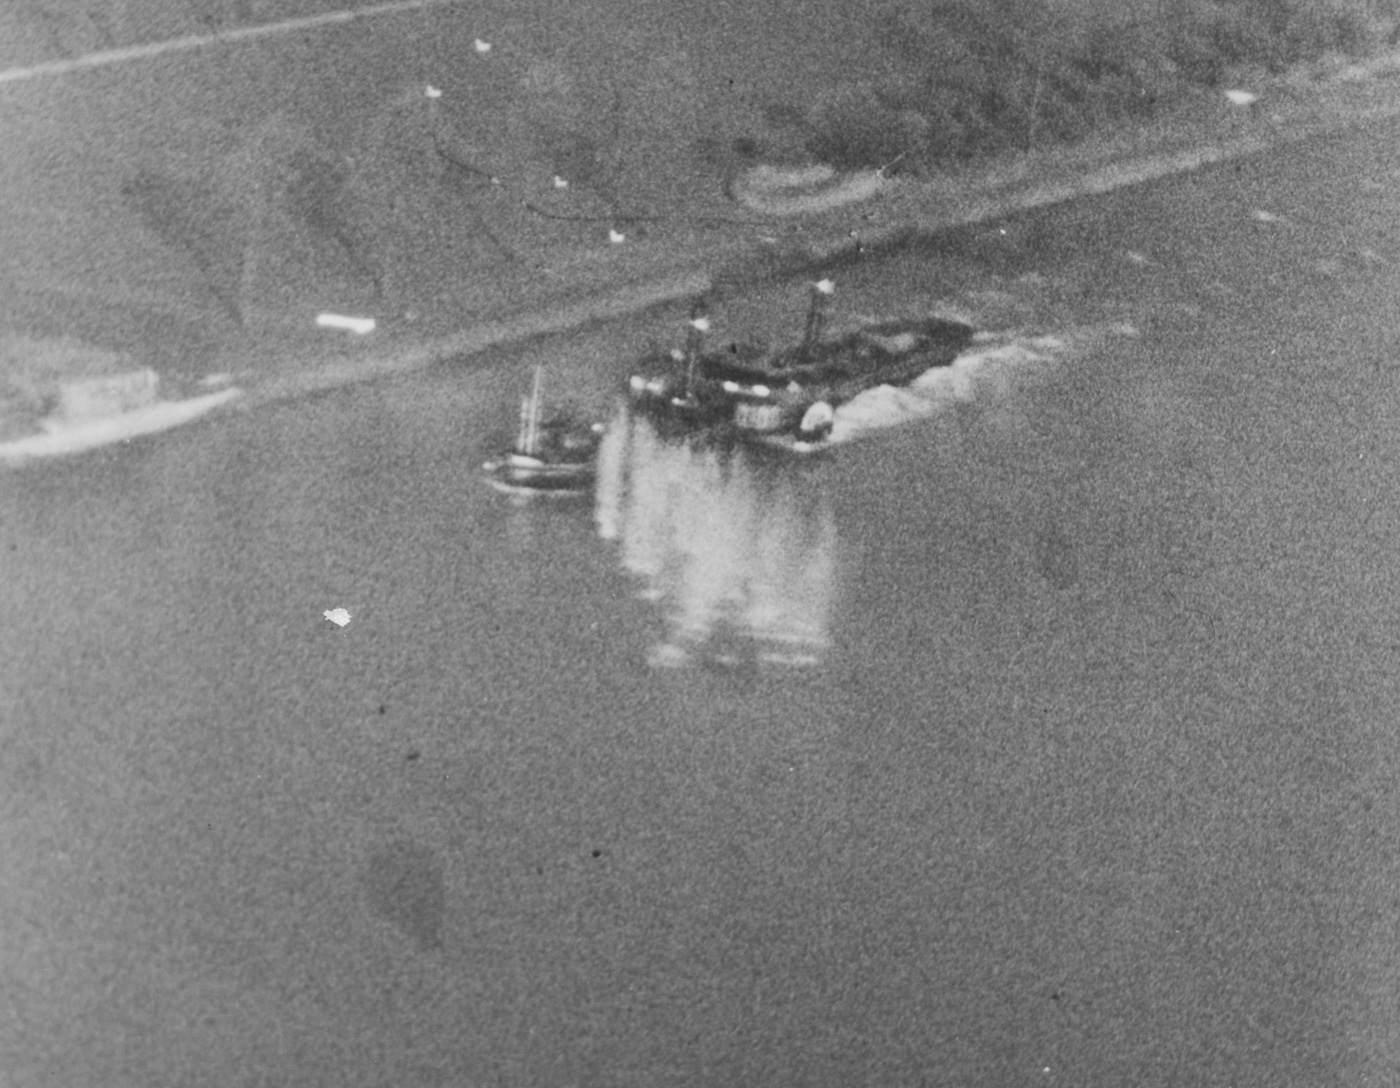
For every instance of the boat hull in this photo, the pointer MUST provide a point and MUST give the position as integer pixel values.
(667, 399)
(691, 401)
(519, 473)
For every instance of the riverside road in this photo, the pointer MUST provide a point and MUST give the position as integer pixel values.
(1043, 735)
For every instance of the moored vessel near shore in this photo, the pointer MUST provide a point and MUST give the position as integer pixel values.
(553, 454)
(798, 389)
(794, 389)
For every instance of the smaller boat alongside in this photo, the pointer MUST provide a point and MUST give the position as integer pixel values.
(553, 454)
(680, 390)
(677, 394)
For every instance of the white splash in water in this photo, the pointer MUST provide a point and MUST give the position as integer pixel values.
(984, 372)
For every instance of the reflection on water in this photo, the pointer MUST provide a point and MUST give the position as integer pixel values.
(739, 553)
(737, 547)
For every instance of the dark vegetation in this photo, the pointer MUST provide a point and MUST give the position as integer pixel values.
(978, 76)
(283, 222)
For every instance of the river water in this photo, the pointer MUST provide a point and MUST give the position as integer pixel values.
(1038, 733)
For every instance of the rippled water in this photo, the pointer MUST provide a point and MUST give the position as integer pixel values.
(1042, 723)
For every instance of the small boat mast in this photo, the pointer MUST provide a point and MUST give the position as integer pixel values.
(528, 440)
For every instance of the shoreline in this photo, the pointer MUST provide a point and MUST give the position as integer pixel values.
(892, 215)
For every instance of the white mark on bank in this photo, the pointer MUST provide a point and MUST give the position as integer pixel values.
(357, 325)
(337, 616)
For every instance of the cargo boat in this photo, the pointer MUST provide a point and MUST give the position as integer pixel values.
(798, 390)
(794, 389)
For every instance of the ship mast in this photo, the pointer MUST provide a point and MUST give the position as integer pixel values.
(694, 341)
(816, 316)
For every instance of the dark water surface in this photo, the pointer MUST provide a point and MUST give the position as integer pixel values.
(1044, 738)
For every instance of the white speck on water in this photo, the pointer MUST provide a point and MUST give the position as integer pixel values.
(433, 92)
(338, 616)
(1265, 217)
(616, 237)
(482, 47)
(560, 183)
(1242, 98)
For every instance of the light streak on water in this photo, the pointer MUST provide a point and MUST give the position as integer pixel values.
(739, 559)
(740, 553)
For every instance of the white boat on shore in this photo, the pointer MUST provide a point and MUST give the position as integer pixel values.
(58, 436)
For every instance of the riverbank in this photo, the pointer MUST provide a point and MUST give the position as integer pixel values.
(616, 264)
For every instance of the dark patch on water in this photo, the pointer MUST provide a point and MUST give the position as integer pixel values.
(1055, 557)
(404, 886)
